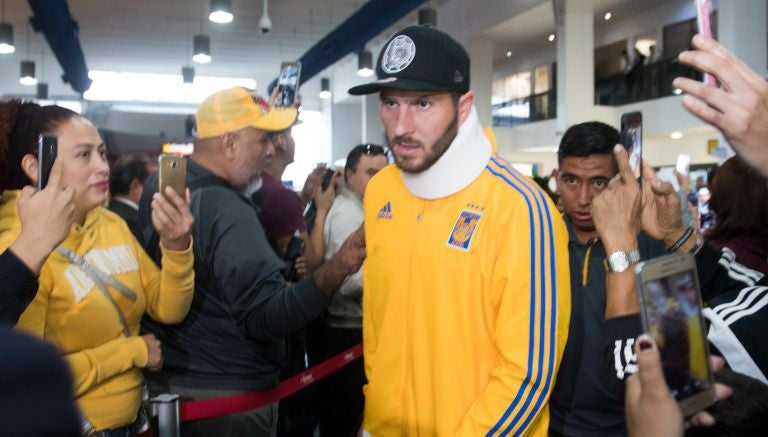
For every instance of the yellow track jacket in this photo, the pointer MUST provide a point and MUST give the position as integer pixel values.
(71, 312)
(466, 297)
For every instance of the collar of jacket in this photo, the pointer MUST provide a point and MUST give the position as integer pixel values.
(462, 163)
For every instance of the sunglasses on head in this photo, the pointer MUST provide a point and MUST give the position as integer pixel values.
(374, 149)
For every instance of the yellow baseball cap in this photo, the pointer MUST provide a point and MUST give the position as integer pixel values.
(236, 108)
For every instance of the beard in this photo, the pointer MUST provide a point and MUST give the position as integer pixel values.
(438, 148)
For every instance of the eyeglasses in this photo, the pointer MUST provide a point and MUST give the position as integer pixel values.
(374, 149)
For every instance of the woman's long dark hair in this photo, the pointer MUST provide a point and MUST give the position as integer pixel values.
(20, 125)
(739, 200)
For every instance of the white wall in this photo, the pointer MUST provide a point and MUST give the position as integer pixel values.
(347, 128)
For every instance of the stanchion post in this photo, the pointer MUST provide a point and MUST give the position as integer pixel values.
(166, 408)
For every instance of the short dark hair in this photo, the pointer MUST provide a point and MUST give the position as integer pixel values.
(353, 158)
(585, 139)
(739, 200)
(21, 123)
(126, 171)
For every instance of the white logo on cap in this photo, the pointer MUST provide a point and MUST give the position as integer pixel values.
(398, 55)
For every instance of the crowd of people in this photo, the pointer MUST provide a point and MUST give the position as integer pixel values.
(482, 308)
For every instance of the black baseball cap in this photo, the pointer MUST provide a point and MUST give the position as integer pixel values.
(420, 58)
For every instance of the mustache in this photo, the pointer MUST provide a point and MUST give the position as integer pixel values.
(404, 139)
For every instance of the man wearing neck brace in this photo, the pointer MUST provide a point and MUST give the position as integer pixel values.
(466, 292)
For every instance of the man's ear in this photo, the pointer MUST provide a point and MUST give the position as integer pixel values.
(29, 166)
(227, 145)
(465, 105)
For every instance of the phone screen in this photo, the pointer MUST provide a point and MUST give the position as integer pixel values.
(705, 29)
(632, 139)
(47, 147)
(671, 310)
(288, 83)
(683, 165)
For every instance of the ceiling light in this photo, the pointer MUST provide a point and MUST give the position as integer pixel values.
(607, 16)
(6, 39)
(202, 49)
(42, 91)
(325, 88)
(677, 91)
(221, 11)
(27, 76)
(428, 16)
(676, 135)
(265, 24)
(188, 74)
(509, 53)
(551, 37)
(365, 63)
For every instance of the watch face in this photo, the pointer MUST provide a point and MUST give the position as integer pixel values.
(619, 262)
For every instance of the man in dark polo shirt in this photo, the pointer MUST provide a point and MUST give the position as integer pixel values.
(232, 341)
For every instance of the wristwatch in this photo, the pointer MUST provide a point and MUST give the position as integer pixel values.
(621, 260)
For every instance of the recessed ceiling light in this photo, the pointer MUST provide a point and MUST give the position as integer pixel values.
(676, 135)
(551, 37)
(678, 91)
(509, 53)
(607, 16)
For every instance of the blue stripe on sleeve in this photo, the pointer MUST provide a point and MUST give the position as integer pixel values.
(526, 381)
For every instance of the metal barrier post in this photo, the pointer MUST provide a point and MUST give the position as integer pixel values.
(166, 408)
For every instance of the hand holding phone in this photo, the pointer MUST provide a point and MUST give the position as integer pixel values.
(47, 148)
(288, 84)
(632, 138)
(670, 309)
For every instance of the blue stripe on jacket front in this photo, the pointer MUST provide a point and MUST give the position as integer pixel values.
(531, 341)
(540, 200)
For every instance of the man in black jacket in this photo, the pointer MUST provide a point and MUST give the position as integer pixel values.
(233, 339)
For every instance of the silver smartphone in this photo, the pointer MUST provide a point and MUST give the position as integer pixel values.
(670, 307)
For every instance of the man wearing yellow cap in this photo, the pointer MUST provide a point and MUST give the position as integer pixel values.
(233, 339)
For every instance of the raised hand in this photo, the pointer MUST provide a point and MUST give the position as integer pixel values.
(172, 219)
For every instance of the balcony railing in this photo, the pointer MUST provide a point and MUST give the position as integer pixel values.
(645, 83)
(515, 112)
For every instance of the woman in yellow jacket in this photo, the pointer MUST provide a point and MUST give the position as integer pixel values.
(99, 282)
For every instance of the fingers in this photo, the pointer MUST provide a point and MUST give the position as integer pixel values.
(702, 419)
(649, 371)
(716, 362)
(622, 159)
(722, 391)
(711, 45)
(54, 177)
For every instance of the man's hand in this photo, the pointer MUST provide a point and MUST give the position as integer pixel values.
(154, 353)
(661, 215)
(649, 406)
(739, 108)
(324, 199)
(46, 218)
(172, 219)
(616, 210)
(346, 261)
(314, 179)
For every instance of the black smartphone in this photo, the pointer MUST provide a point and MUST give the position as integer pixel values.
(669, 295)
(294, 250)
(47, 147)
(327, 178)
(632, 138)
(288, 84)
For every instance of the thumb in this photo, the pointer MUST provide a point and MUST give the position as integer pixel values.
(649, 372)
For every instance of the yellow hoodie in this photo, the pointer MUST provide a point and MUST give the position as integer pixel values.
(71, 312)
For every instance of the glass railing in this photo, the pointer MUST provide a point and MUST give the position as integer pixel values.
(515, 112)
(648, 82)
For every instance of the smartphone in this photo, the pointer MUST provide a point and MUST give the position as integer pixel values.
(670, 308)
(705, 29)
(172, 173)
(294, 249)
(683, 165)
(47, 147)
(632, 138)
(288, 84)
(327, 178)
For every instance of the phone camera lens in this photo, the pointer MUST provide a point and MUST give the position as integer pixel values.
(173, 164)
